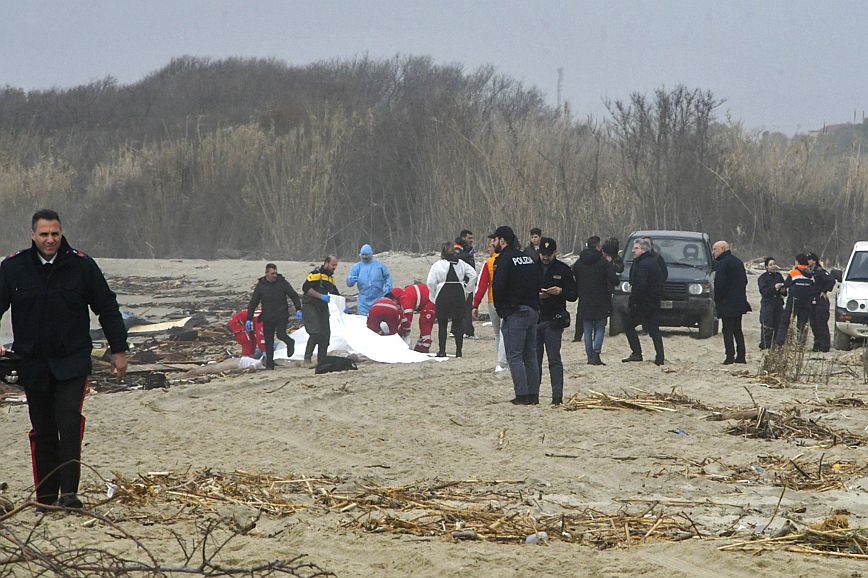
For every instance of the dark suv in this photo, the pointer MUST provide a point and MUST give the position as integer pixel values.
(688, 294)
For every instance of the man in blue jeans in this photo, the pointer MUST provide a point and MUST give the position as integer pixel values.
(516, 288)
(595, 279)
(558, 287)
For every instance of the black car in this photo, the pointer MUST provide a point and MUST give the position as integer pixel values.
(688, 294)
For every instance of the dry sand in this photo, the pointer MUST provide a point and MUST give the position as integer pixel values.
(396, 424)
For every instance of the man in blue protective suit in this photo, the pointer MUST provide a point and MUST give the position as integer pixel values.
(373, 278)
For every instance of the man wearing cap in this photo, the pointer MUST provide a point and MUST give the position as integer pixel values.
(516, 288)
(558, 287)
(372, 276)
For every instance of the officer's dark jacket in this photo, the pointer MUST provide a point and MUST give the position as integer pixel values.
(799, 283)
(823, 280)
(646, 279)
(730, 286)
(558, 274)
(50, 319)
(322, 282)
(516, 282)
(273, 296)
(769, 295)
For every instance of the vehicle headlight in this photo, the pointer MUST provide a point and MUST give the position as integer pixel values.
(852, 305)
(695, 289)
(626, 287)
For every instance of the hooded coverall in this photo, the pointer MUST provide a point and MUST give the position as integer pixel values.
(372, 277)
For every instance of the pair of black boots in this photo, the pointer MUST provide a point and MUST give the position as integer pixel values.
(525, 400)
(595, 359)
(67, 501)
(659, 360)
(731, 360)
(443, 354)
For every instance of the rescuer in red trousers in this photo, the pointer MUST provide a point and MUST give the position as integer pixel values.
(413, 299)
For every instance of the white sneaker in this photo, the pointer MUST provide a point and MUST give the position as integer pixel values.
(499, 369)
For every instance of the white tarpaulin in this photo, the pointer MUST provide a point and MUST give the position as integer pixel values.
(350, 334)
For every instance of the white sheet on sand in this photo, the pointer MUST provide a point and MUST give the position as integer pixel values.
(350, 334)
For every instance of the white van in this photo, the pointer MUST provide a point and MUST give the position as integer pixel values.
(851, 306)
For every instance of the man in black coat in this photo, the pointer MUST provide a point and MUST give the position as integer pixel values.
(824, 283)
(558, 287)
(595, 279)
(771, 302)
(661, 262)
(515, 290)
(49, 288)
(271, 291)
(730, 300)
(646, 281)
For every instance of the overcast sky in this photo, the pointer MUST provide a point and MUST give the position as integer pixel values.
(788, 65)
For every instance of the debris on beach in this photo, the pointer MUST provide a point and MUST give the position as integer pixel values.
(829, 537)
(762, 423)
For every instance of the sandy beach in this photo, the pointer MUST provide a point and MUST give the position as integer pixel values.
(392, 425)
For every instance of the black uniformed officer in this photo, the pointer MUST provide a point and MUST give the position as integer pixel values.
(799, 288)
(316, 291)
(771, 302)
(823, 285)
(515, 290)
(272, 291)
(558, 287)
(49, 288)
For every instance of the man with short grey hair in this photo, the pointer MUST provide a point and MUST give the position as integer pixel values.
(730, 300)
(646, 281)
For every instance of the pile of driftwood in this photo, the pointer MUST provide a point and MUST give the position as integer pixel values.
(762, 423)
(464, 511)
(202, 489)
(794, 473)
(830, 537)
(638, 400)
(494, 510)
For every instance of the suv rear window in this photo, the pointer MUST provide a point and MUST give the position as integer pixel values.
(858, 269)
(689, 252)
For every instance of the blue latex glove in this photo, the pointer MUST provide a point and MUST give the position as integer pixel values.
(326, 297)
(346, 310)
(248, 326)
(298, 314)
(352, 279)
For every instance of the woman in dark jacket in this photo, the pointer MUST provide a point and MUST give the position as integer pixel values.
(771, 303)
(595, 280)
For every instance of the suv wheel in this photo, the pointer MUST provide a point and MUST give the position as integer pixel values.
(616, 323)
(842, 340)
(707, 325)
